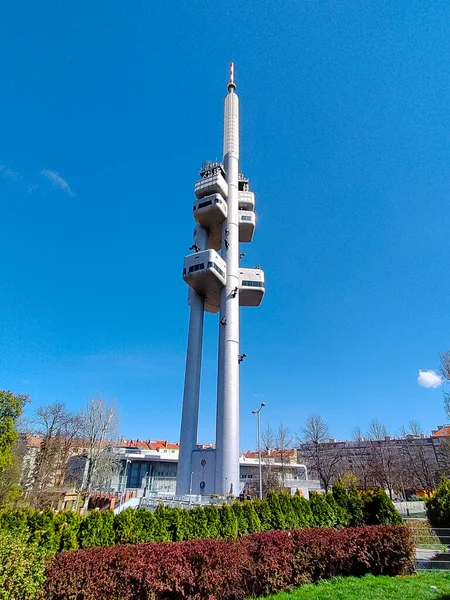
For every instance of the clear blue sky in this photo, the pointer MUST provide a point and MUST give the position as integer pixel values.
(108, 110)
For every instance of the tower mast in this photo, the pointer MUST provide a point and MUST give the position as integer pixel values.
(227, 421)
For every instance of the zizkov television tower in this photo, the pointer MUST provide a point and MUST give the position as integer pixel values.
(225, 216)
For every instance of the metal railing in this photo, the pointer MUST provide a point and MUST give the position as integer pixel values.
(188, 501)
(432, 545)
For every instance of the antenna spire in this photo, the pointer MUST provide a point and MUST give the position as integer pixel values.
(231, 84)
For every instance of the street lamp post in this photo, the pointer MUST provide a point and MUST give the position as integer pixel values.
(190, 489)
(124, 482)
(258, 416)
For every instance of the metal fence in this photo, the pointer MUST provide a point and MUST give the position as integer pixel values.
(432, 545)
(189, 501)
(415, 509)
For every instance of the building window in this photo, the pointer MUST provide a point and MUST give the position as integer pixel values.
(259, 284)
(212, 265)
(203, 204)
(198, 267)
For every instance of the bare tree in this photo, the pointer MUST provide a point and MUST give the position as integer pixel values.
(283, 446)
(385, 465)
(443, 444)
(360, 459)
(445, 365)
(58, 428)
(323, 456)
(271, 471)
(99, 423)
(420, 459)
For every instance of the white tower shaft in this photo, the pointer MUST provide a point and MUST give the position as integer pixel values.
(227, 425)
(191, 395)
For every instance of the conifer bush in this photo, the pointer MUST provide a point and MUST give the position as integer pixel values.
(350, 500)
(214, 525)
(97, 529)
(228, 522)
(200, 528)
(253, 522)
(264, 513)
(242, 522)
(277, 517)
(438, 506)
(162, 522)
(127, 527)
(145, 521)
(322, 513)
(379, 510)
(290, 515)
(341, 516)
(302, 509)
(67, 527)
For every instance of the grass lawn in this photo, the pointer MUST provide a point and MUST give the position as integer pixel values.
(424, 586)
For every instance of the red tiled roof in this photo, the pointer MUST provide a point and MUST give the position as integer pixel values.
(442, 432)
(149, 444)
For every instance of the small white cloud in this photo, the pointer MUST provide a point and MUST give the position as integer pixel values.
(429, 379)
(9, 173)
(57, 181)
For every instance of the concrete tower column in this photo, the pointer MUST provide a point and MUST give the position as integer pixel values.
(191, 395)
(227, 425)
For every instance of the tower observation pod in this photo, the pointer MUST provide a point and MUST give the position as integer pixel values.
(224, 212)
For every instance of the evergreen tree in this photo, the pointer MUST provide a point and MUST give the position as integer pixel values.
(379, 510)
(355, 507)
(14, 521)
(11, 407)
(322, 513)
(340, 513)
(277, 519)
(340, 494)
(199, 523)
(161, 528)
(351, 502)
(438, 506)
(213, 518)
(125, 527)
(253, 522)
(176, 524)
(228, 522)
(67, 523)
(97, 529)
(290, 516)
(241, 518)
(145, 523)
(264, 513)
(41, 525)
(303, 511)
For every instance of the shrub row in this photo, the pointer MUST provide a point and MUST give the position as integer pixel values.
(68, 531)
(254, 565)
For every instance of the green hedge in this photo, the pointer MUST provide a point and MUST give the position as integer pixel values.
(55, 532)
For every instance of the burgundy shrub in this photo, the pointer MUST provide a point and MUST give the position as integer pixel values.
(257, 564)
